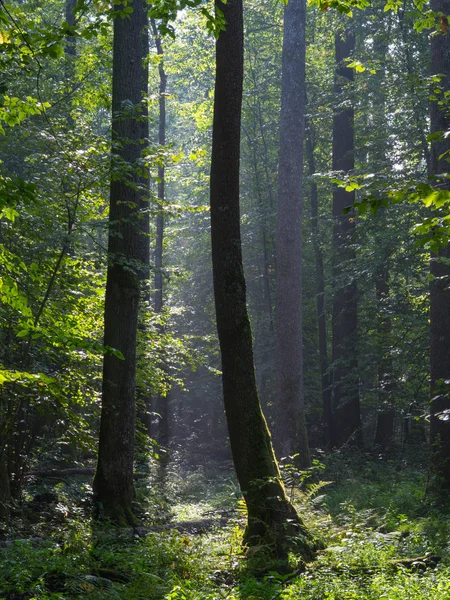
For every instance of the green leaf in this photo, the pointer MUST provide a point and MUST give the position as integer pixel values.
(23, 333)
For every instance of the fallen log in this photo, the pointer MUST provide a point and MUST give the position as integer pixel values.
(17, 542)
(60, 473)
(72, 472)
(197, 527)
(419, 563)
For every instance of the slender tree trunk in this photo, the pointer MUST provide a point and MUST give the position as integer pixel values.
(264, 241)
(71, 40)
(266, 254)
(292, 436)
(127, 257)
(384, 432)
(320, 289)
(272, 520)
(440, 270)
(162, 402)
(5, 490)
(161, 172)
(70, 51)
(346, 420)
(418, 109)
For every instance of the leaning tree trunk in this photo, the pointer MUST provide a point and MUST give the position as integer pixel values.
(292, 436)
(440, 269)
(272, 520)
(127, 257)
(346, 419)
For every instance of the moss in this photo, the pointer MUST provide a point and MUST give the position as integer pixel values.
(117, 512)
(274, 527)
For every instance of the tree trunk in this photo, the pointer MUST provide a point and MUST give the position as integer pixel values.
(71, 40)
(320, 290)
(5, 491)
(161, 172)
(162, 402)
(292, 436)
(440, 285)
(127, 257)
(272, 520)
(346, 419)
(384, 433)
(414, 426)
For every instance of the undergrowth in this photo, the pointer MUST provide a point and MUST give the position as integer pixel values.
(385, 539)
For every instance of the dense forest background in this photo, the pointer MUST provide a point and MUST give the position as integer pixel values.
(367, 327)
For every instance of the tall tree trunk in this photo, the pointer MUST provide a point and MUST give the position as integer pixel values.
(418, 109)
(440, 270)
(162, 402)
(127, 257)
(267, 295)
(272, 520)
(384, 432)
(320, 289)
(346, 420)
(158, 299)
(292, 435)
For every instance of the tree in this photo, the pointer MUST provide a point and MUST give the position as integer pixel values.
(440, 269)
(162, 402)
(346, 419)
(272, 520)
(127, 256)
(384, 431)
(70, 47)
(320, 288)
(292, 435)
(5, 492)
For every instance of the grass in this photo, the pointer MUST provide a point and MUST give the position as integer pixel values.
(372, 516)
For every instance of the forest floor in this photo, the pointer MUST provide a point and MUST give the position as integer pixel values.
(385, 538)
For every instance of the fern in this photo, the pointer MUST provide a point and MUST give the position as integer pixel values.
(92, 583)
(313, 488)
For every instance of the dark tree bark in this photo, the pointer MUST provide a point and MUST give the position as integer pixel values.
(5, 490)
(272, 520)
(384, 433)
(346, 419)
(320, 289)
(127, 257)
(414, 426)
(440, 286)
(292, 435)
